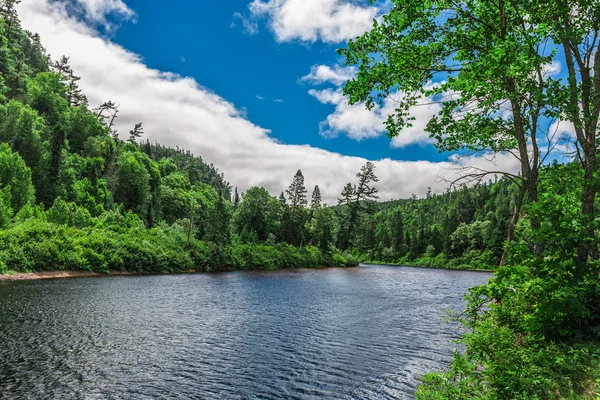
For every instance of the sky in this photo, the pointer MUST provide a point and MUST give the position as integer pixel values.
(252, 86)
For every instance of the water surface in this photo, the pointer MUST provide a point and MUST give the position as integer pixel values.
(359, 333)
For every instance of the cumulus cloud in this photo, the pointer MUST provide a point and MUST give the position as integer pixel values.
(330, 21)
(177, 111)
(323, 74)
(356, 121)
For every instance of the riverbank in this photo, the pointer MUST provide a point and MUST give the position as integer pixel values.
(33, 276)
(417, 265)
(45, 275)
(35, 246)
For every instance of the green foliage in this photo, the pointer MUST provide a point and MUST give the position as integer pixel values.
(15, 176)
(104, 204)
(6, 211)
(259, 212)
(533, 330)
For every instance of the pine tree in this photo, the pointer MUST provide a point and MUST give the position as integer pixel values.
(217, 231)
(74, 95)
(348, 194)
(135, 133)
(315, 203)
(295, 222)
(147, 148)
(397, 226)
(297, 192)
(236, 199)
(357, 198)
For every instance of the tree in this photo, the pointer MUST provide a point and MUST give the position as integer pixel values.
(323, 228)
(217, 231)
(133, 184)
(258, 213)
(397, 226)
(15, 179)
(296, 218)
(112, 110)
(135, 133)
(315, 203)
(282, 200)
(6, 211)
(493, 67)
(356, 198)
(236, 199)
(575, 27)
(297, 192)
(47, 96)
(74, 95)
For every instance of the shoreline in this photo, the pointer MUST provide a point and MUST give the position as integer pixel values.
(427, 267)
(68, 274)
(43, 275)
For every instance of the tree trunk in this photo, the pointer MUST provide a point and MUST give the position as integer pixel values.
(513, 223)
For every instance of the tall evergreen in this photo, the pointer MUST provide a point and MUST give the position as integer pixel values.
(236, 199)
(296, 193)
(296, 218)
(315, 202)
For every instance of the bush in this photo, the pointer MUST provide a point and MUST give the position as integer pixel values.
(101, 245)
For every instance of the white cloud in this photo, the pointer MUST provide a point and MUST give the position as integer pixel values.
(356, 121)
(177, 111)
(323, 73)
(331, 21)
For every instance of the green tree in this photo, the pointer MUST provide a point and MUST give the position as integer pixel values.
(491, 60)
(6, 211)
(217, 231)
(397, 226)
(315, 202)
(132, 187)
(15, 177)
(294, 226)
(258, 213)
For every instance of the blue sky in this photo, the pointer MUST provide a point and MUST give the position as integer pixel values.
(240, 67)
(205, 76)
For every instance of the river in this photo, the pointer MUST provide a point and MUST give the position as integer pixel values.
(357, 333)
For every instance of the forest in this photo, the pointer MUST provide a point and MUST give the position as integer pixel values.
(76, 194)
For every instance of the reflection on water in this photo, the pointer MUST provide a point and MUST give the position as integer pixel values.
(361, 333)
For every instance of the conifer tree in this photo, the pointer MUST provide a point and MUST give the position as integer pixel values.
(297, 192)
(135, 133)
(315, 203)
(294, 231)
(74, 95)
(397, 226)
(236, 199)
(356, 197)
(217, 231)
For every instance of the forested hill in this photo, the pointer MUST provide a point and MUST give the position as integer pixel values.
(463, 227)
(77, 194)
(194, 167)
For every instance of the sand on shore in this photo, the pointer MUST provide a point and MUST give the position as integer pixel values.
(58, 275)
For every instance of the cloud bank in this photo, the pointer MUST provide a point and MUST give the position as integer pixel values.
(178, 111)
(330, 21)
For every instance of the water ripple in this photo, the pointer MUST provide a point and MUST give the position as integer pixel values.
(362, 333)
